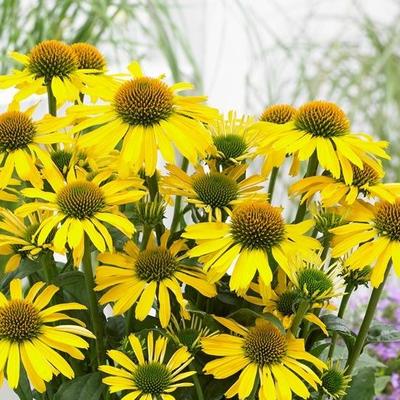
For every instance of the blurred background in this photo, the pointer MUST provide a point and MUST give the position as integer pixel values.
(245, 55)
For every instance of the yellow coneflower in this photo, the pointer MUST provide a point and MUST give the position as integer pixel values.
(335, 382)
(188, 334)
(323, 129)
(151, 377)
(213, 191)
(141, 277)
(365, 182)
(315, 282)
(232, 141)
(81, 207)
(20, 140)
(148, 116)
(276, 114)
(17, 239)
(31, 335)
(255, 232)
(283, 302)
(55, 64)
(261, 351)
(375, 230)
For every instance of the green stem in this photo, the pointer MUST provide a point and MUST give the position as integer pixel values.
(178, 201)
(96, 319)
(368, 317)
(326, 244)
(146, 236)
(342, 309)
(298, 318)
(253, 394)
(52, 101)
(48, 265)
(152, 184)
(311, 171)
(272, 181)
(197, 385)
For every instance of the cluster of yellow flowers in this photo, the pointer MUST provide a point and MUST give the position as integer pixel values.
(223, 288)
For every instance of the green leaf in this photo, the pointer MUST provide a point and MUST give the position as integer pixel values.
(73, 284)
(247, 317)
(26, 268)
(380, 383)
(362, 385)
(216, 388)
(336, 324)
(86, 387)
(382, 333)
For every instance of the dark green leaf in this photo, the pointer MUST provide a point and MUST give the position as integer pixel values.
(362, 385)
(73, 284)
(86, 387)
(382, 333)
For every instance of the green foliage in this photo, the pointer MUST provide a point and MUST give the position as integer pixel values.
(86, 387)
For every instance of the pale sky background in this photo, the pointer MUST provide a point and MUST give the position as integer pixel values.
(221, 38)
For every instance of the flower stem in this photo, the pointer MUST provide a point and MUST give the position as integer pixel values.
(178, 201)
(253, 394)
(197, 385)
(272, 181)
(97, 323)
(342, 309)
(146, 236)
(298, 318)
(368, 317)
(48, 265)
(311, 171)
(52, 102)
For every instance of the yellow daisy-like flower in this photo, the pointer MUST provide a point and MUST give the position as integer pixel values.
(261, 353)
(232, 141)
(375, 230)
(283, 302)
(80, 207)
(148, 116)
(322, 128)
(213, 191)
(276, 114)
(20, 140)
(140, 277)
(54, 64)
(315, 282)
(255, 232)
(30, 335)
(366, 182)
(17, 238)
(151, 377)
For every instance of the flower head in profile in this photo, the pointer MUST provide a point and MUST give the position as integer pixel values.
(147, 115)
(57, 65)
(276, 114)
(189, 334)
(232, 141)
(321, 127)
(140, 277)
(373, 233)
(315, 282)
(283, 302)
(17, 238)
(31, 335)
(262, 350)
(20, 146)
(335, 382)
(79, 208)
(148, 376)
(366, 182)
(255, 232)
(213, 191)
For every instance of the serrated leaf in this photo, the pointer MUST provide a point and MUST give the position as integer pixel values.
(382, 333)
(86, 387)
(362, 385)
